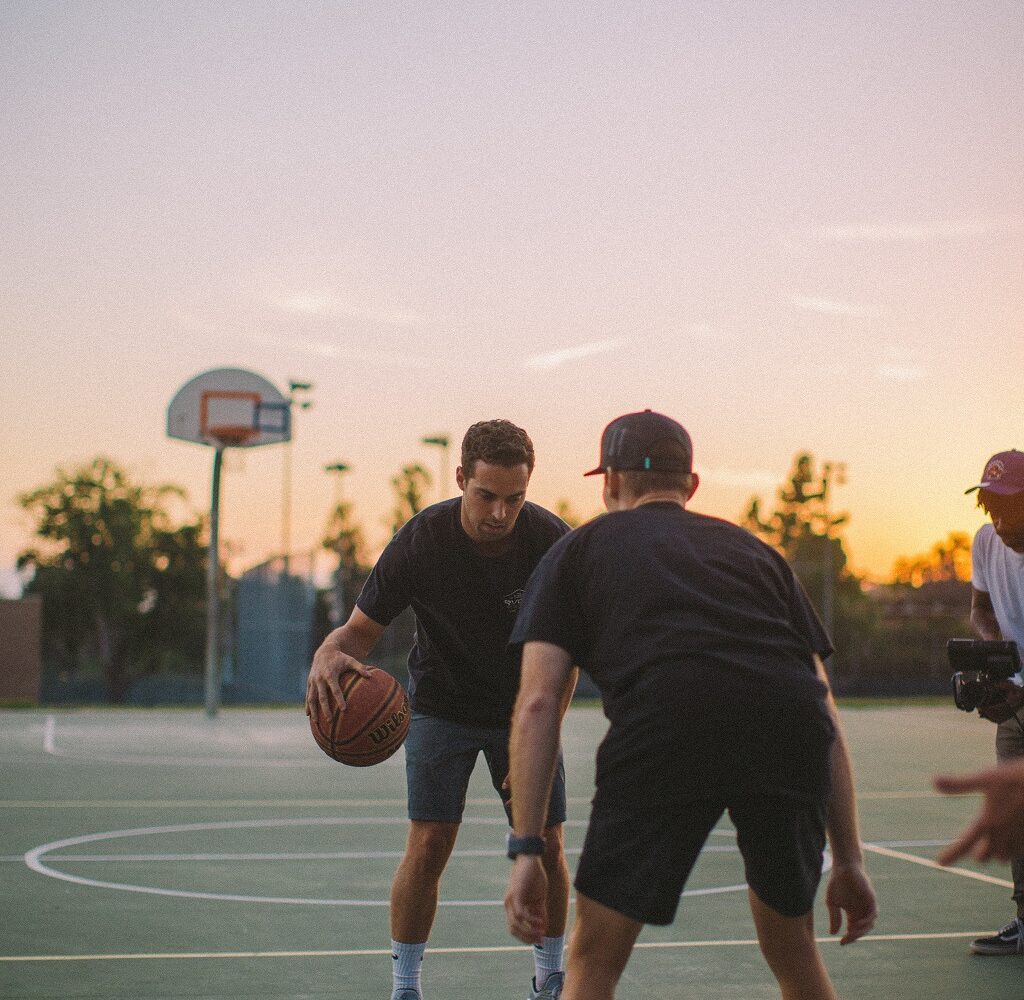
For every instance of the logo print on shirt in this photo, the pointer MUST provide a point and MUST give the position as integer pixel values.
(514, 600)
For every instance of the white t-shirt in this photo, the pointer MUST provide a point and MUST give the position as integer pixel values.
(999, 571)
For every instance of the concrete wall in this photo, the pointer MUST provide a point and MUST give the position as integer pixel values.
(20, 649)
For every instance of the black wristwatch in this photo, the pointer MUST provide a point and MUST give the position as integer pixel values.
(514, 846)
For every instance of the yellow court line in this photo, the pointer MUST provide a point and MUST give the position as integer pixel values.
(491, 949)
(888, 852)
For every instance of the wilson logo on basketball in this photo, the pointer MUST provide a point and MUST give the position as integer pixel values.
(392, 726)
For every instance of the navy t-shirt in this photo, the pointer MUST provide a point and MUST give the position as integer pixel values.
(701, 641)
(461, 666)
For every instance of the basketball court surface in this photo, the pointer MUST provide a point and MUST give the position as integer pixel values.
(164, 854)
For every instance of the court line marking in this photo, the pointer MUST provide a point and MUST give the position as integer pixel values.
(226, 803)
(307, 803)
(33, 859)
(467, 950)
(929, 863)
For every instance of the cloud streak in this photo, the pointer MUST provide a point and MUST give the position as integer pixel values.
(562, 356)
(325, 349)
(830, 307)
(898, 232)
(901, 373)
(343, 307)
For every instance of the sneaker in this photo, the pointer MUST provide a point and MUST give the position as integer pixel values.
(1009, 941)
(552, 987)
(406, 995)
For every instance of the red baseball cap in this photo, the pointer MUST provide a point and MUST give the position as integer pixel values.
(1004, 474)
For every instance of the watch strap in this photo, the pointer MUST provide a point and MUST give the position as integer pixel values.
(514, 846)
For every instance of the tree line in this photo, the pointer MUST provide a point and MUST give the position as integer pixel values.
(120, 567)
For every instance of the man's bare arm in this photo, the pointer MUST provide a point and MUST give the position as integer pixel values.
(849, 889)
(344, 649)
(544, 691)
(983, 615)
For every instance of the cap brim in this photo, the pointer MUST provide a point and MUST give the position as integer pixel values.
(595, 472)
(1000, 489)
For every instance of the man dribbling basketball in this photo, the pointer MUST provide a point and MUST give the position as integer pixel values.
(462, 565)
(707, 654)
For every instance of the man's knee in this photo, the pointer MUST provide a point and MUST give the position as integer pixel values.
(429, 847)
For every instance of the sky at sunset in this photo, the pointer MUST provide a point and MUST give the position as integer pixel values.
(790, 226)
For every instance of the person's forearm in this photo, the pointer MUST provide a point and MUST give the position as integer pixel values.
(843, 826)
(346, 640)
(534, 752)
(983, 621)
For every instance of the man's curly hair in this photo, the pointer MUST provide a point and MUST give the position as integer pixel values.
(497, 442)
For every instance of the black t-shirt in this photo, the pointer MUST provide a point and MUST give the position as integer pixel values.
(700, 640)
(461, 666)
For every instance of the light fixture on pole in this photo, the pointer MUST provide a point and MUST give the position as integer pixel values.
(440, 441)
(338, 468)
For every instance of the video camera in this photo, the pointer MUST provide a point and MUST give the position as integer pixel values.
(980, 665)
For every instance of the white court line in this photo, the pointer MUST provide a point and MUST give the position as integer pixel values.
(929, 863)
(494, 949)
(34, 860)
(308, 856)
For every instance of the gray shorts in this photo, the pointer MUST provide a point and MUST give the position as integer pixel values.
(439, 758)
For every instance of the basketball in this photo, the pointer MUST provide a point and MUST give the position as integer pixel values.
(373, 725)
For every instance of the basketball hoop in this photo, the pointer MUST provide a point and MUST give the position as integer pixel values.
(228, 417)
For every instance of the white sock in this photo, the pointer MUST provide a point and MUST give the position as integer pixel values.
(547, 958)
(406, 966)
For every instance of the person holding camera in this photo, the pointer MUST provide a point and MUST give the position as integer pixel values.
(997, 612)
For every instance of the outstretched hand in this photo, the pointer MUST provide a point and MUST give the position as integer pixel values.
(323, 688)
(998, 830)
(526, 907)
(849, 891)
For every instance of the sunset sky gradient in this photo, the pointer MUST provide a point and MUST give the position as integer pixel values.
(791, 227)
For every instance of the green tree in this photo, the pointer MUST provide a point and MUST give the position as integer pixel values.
(410, 487)
(804, 528)
(121, 583)
(345, 538)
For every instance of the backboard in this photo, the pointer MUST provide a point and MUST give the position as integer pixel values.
(229, 407)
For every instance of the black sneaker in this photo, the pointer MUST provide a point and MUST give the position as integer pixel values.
(1009, 941)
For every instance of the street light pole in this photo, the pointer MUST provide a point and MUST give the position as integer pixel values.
(440, 441)
(293, 400)
(341, 573)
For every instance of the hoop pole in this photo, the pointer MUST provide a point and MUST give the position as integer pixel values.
(213, 594)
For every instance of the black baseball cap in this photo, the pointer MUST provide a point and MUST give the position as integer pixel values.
(633, 443)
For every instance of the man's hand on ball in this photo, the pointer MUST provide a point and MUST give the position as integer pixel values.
(323, 688)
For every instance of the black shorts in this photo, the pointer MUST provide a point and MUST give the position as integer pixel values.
(637, 861)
